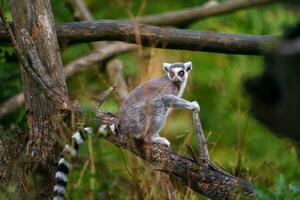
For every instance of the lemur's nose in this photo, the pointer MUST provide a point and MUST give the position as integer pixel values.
(176, 79)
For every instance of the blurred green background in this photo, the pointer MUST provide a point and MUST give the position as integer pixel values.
(237, 142)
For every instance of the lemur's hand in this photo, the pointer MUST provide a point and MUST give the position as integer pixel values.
(195, 106)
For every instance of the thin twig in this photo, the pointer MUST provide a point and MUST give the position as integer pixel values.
(193, 154)
(114, 69)
(101, 98)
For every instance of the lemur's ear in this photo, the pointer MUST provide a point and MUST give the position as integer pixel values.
(188, 66)
(166, 66)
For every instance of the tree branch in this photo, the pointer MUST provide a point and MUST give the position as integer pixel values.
(185, 17)
(200, 175)
(104, 53)
(168, 38)
(203, 150)
(114, 69)
(11, 104)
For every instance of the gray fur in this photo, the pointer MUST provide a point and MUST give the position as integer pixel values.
(145, 109)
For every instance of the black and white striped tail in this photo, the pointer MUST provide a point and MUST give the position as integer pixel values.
(64, 166)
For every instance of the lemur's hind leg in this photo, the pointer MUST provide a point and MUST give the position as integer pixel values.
(159, 109)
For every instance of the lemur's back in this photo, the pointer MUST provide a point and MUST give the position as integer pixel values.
(136, 107)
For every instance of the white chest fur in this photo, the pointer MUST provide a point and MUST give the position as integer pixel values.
(182, 87)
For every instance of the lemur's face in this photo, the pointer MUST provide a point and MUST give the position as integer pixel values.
(177, 72)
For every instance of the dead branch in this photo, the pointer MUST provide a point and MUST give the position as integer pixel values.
(202, 176)
(152, 36)
(185, 17)
(168, 38)
(104, 53)
(114, 69)
(203, 149)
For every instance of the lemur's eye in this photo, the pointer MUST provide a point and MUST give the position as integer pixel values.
(181, 73)
(172, 74)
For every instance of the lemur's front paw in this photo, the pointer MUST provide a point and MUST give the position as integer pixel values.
(160, 140)
(195, 106)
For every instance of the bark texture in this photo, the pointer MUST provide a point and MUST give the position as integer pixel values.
(44, 119)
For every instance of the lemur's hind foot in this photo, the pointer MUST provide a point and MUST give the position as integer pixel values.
(160, 140)
(103, 129)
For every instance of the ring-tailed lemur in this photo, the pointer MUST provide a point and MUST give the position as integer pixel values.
(143, 114)
(146, 108)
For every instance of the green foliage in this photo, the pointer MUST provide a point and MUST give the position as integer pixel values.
(283, 191)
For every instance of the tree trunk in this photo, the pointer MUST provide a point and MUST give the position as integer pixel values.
(43, 117)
